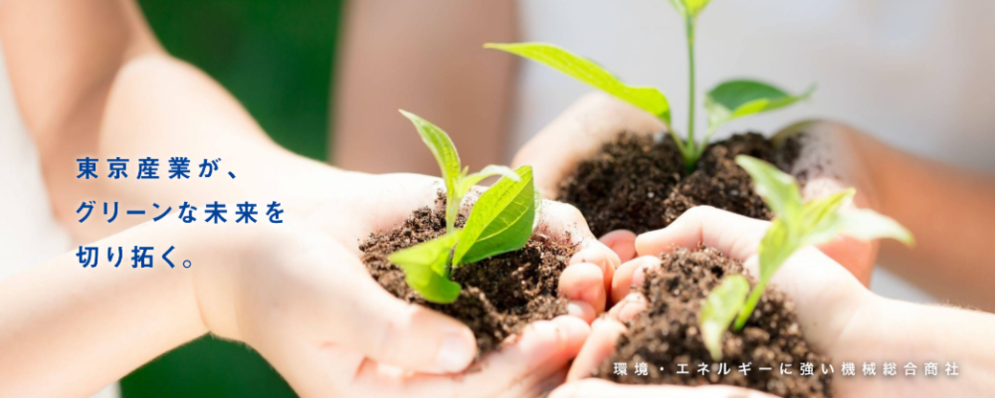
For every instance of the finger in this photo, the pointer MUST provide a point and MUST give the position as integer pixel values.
(334, 300)
(565, 221)
(597, 388)
(585, 283)
(631, 275)
(735, 235)
(598, 254)
(598, 347)
(627, 309)
(582, 310)
(542, 350)
(622, 242)
(577, 134)
(542, 388)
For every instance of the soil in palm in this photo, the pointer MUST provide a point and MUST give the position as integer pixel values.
(500, 294)
(640, 182)
(667, 335)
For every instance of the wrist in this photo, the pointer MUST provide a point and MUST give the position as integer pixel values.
(221, 254)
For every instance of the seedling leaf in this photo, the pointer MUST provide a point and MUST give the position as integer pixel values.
(424, 268)
(441, 146)
(799, 224)
(739, 98)
(648, 98)
(689, 7)
(468, 181)
(864, 224)
(777, 188)
(719, 309)
(820, 216)
(500, 221)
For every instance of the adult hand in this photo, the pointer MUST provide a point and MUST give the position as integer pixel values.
(308, 304)
(833, 308)
(577, 134)
(829, 161)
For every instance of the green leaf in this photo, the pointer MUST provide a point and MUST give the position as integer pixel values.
(424, 268)
(819, 216)
(866, 225)
(441, 146)
(468, 181)
(720, 308)
(738, 98)
(776, 246)
(692, 7)
(500, 221)
(648, 98)
(778, 189)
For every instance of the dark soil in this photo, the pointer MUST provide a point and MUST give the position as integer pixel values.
(640, 183)
(500, 294)
(667, 334)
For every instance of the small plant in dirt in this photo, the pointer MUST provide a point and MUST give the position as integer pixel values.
(502, 219)
(728, 101)
(796, 224)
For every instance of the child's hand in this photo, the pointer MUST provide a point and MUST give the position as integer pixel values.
(833, 308)
(597, 118)
(578, 133)
(307, 303)
(829, 161)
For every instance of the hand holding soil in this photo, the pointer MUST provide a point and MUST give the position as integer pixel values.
(828, 161)
(641, 191)
(826, 316)
(397, 348)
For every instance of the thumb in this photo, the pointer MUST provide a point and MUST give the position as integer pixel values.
(325, 294)
(391, 331)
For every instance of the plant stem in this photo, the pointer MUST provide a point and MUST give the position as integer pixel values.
(751, 303)
(452, 211)
(689, 22)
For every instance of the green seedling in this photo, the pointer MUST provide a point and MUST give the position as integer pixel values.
(728, 101)
(796, 224)
(502, 219)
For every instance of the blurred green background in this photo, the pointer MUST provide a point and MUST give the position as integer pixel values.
(276, 57)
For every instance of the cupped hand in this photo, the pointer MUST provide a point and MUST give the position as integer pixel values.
(305, 301)
(577, 134)
(831, 304)
(829, 161)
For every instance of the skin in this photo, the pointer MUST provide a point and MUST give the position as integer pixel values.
(597, 118)
(296, 291)
(841, 319)
(426, 57)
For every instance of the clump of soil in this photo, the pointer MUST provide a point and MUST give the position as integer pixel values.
(667, 334)
(500, 294)
(640, 182)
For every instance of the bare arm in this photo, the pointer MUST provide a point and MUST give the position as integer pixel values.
(951, 212)
(69, 330)
(425, 57)
(91, 80)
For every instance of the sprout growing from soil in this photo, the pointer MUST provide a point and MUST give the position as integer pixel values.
(728, 101)
(501, 220)
(796, 224)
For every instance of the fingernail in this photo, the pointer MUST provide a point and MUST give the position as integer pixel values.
(455, 354)
(575, 309)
